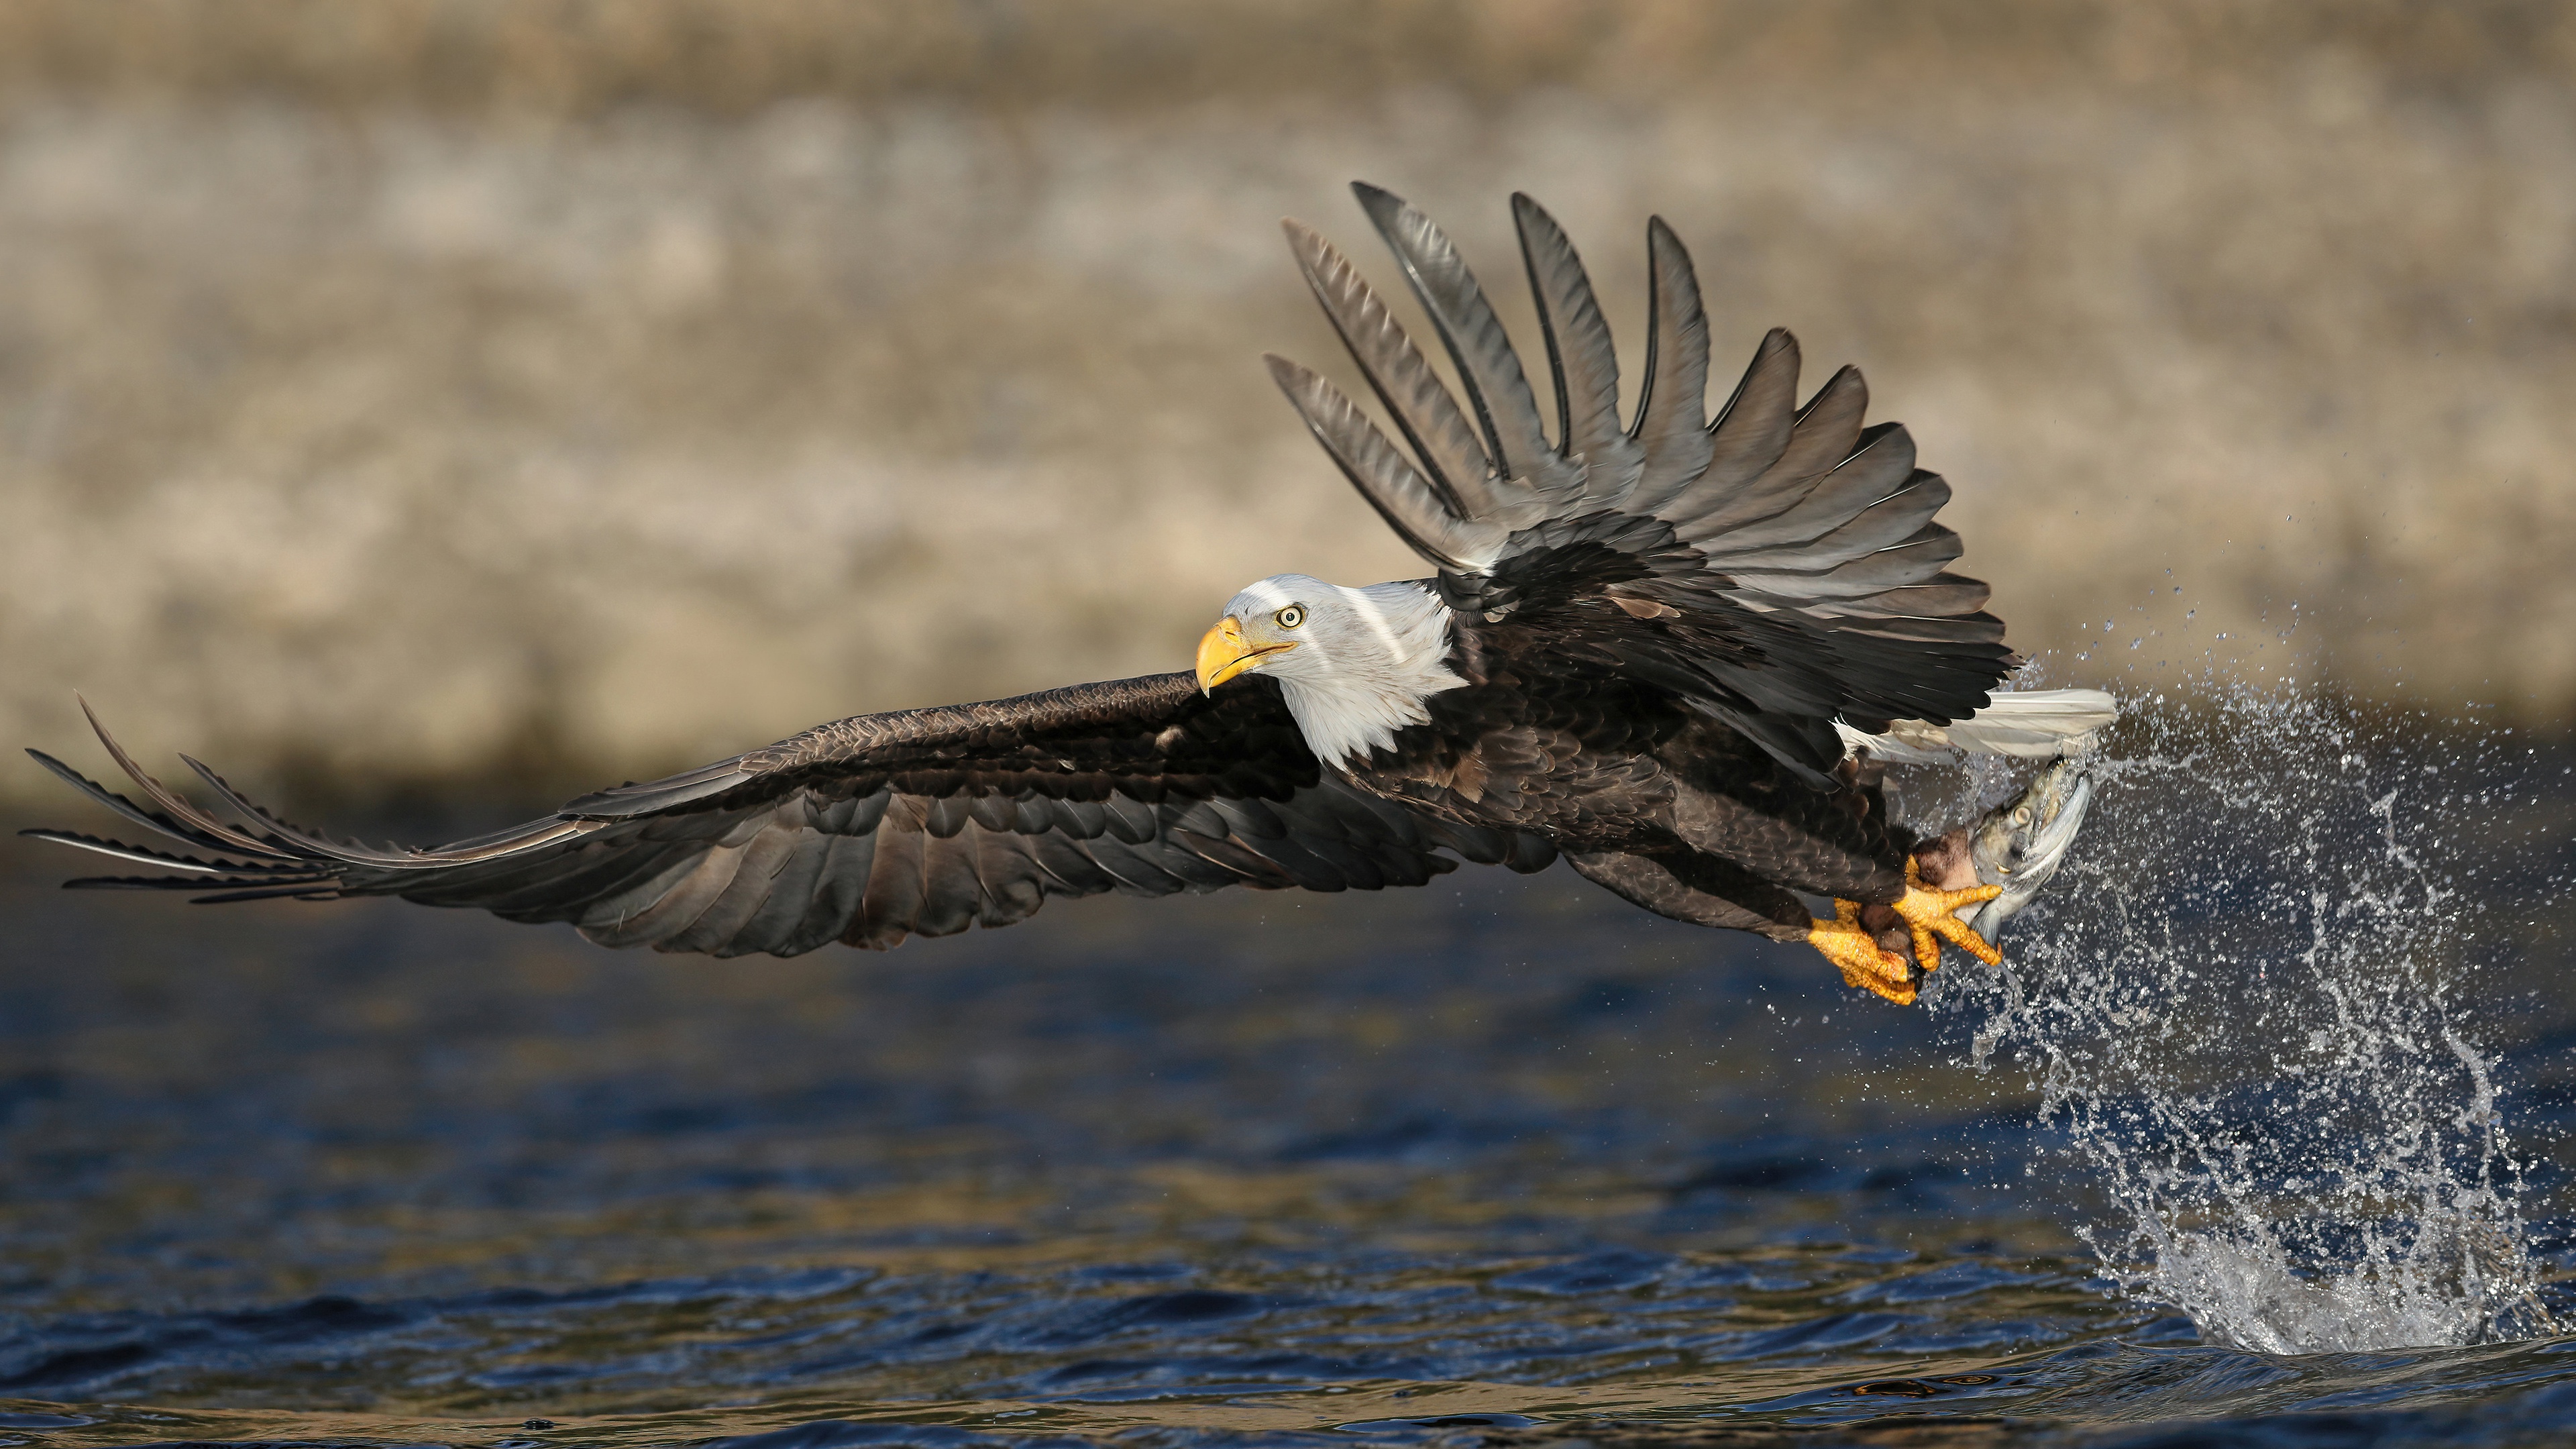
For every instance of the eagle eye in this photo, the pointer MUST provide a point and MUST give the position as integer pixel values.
(1291, 617)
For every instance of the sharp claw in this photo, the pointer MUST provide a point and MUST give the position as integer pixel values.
(1864, 963)
(1975, 945)
(1932, 915)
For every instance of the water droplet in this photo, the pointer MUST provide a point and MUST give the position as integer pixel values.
(2366, 1099)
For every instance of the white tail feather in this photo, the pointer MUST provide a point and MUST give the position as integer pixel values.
(2034, 725)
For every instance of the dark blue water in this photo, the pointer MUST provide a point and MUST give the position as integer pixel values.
(1498, 1160)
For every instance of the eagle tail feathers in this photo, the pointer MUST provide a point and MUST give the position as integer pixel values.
(2034, 724)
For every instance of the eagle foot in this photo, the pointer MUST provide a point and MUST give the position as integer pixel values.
(1865, 963)
(1930, 915)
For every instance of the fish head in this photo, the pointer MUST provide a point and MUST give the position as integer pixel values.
(2021, 845)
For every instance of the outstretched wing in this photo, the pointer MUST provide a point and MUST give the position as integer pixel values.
(1778, 567)
(922, 822)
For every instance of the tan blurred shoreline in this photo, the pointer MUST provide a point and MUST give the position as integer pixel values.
(407, 394)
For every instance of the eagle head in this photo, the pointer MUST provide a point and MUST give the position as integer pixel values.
(1353, 664)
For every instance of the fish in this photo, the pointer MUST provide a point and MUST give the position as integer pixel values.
(2020, 846)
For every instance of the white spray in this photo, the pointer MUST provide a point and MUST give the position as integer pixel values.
(2246, 1004)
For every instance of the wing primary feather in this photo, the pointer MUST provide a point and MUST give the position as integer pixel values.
(169, 800)
(1454, 460)
(191, 883)
(338, 850)
(1881, 470)
(503, 842)
(624, 801)
(143, 854)
(1673, 387)
(157, 824)
(1749, 435)
(1400, 495)
(1916, 560)
(1822, 438)
(1889, 522)
(266, 893)
(1940, 597)
(1580, 355)
(1498, 392)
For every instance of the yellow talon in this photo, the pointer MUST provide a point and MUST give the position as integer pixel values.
(1929, 913)
(1864, 962)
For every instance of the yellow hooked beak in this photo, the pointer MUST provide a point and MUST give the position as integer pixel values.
(1225, 653)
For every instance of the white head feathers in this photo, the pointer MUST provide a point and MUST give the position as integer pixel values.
(1364, 661)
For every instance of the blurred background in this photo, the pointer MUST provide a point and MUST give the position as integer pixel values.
(425, 410)
(440, 396)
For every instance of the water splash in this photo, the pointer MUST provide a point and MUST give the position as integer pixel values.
(2245, 1006)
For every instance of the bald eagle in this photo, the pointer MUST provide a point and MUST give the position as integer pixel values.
(1663, 649)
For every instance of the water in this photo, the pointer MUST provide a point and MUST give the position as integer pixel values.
(2262, 1039)
(2259, 1135)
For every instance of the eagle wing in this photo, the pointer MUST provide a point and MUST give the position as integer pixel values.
(921, 822)
(1778, 567)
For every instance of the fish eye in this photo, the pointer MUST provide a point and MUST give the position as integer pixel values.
(1291, 617)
